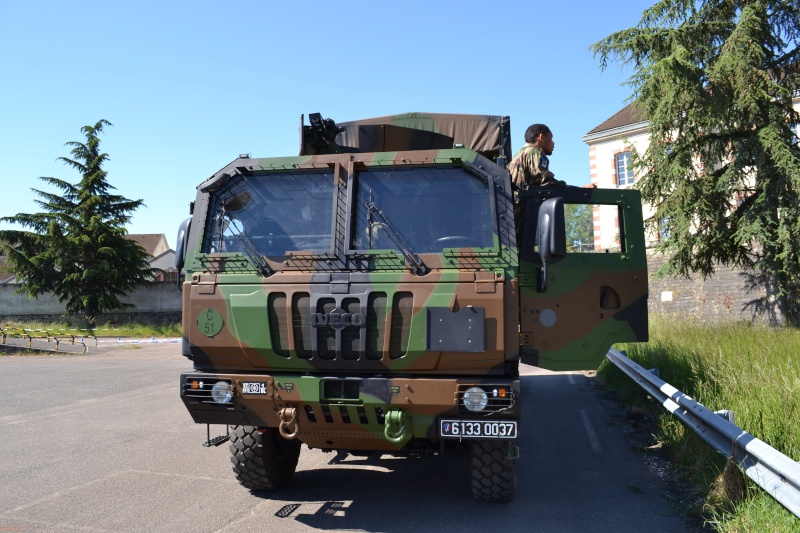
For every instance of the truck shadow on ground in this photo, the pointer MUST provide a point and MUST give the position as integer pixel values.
(565, 481)
(381, 493)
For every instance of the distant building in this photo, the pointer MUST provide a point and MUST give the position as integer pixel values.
(610, 148)
(155, 244)
(161, 255)
(6, 276)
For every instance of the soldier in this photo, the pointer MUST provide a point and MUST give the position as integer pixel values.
(530, 165)
(530, 168)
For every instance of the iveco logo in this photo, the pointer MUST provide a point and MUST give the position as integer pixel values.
(337, 319)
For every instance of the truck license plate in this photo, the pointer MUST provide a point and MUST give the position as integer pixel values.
(465, 429)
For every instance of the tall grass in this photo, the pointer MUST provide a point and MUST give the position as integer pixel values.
(753, 371)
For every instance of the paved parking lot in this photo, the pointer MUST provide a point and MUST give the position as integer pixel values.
(101, 442)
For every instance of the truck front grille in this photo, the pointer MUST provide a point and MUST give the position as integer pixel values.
(380, 331)
(343, 414)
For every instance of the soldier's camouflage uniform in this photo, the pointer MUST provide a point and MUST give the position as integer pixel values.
(530, 168)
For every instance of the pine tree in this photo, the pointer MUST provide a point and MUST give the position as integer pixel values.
(716, 80)
(76, 248)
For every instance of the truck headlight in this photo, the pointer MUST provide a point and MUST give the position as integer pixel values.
(221, 392)
(475, 399)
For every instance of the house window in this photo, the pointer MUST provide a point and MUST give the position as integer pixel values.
(624, 169)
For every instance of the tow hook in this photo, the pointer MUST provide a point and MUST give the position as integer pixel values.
(288, 423)
(395, 429)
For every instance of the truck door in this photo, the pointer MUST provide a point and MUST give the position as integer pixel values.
(583, 275)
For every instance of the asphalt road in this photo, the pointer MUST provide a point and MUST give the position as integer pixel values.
(101, 442)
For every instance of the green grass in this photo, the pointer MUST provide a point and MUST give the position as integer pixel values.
(751, 370)
(103, 330)
(139, 330)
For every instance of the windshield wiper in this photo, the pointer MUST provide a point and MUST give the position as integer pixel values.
(250, 250)
(418, 267)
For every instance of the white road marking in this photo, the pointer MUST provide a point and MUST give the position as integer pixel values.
(590, 433)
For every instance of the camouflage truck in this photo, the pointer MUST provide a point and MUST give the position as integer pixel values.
(374, 295)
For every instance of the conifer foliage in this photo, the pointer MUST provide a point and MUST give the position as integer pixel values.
(716, 81)
(76, 248)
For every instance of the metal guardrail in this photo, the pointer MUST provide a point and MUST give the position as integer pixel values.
(770, 469)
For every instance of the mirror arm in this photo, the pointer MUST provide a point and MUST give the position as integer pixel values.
(543, 277)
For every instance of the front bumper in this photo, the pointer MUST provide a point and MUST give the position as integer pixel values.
(346, 413)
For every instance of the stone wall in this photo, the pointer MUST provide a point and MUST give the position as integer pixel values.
(156, 303)
(721, 297)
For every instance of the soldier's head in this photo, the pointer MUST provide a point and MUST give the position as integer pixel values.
(541, 136)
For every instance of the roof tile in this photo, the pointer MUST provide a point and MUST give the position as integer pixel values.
(624, 117)
(148, 241)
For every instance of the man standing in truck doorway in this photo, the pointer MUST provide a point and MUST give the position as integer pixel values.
(531, 168)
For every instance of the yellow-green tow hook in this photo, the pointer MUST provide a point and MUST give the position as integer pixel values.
(395, 429)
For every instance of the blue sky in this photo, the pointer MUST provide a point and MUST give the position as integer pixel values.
(190, 85)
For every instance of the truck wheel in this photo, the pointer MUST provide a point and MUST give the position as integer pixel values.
(494, 475)
(262, 460)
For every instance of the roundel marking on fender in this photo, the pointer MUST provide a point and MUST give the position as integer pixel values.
(209, 322)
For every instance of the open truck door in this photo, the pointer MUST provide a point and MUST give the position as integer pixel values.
(580, 293)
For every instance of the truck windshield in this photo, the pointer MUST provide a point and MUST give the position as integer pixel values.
(430, 208)
(277, 213)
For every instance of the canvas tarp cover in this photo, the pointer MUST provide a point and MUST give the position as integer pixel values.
(490, 135)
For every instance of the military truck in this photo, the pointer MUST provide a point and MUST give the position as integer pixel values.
(375, 294)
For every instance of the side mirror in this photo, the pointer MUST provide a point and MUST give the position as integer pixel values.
(181, 244)
(551, 233)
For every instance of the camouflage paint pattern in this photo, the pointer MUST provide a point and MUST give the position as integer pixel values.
(350, 349)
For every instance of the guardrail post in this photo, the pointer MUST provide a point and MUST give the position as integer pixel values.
(727, 414)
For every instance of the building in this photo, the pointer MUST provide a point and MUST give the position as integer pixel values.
(610, 147)
(6, 276)
(724, 296)
(155, 244)
(161, 255)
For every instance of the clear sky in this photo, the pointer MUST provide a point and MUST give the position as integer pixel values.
(190, 85)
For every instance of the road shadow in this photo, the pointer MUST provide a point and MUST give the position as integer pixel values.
(565, 482)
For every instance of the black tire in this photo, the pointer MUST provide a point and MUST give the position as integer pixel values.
(494, 476)
(262, 460)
